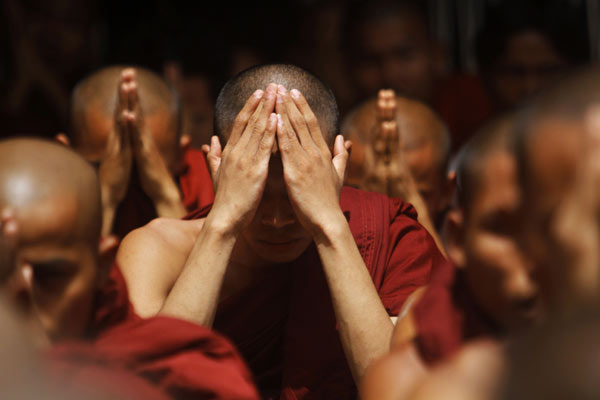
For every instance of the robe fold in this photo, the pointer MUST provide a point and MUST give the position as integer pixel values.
(446, 317)
(285, 326)
(195, 185)
(179, 359)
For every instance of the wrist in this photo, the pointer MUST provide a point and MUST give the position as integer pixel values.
(330, 229)
(221, 225)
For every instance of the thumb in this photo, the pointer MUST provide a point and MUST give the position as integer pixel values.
(340, 156)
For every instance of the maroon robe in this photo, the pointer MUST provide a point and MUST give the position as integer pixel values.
(285, 326)
(175, 358)
(446, 317)
(195, 185)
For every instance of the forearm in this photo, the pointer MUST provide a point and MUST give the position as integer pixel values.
(364, 326)
(108, 216)
(195, 294)
(168, 202)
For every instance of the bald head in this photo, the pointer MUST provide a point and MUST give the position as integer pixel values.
(93, 108)
(418, 124)
(39, 179)
(238, 89)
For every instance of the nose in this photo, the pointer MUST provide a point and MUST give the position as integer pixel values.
(277, 220)
(278, 215)
(522, 284)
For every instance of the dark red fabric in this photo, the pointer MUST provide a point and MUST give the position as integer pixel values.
(446, 317)
(179, 359)
(195, 185)
(463, 103)
(184, 360)
(285, 325)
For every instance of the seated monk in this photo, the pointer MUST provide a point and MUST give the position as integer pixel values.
(303, 275)
(127, 122)
(411, 163)
(76, 307)
(490, 293)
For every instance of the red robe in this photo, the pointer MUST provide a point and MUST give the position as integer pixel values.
(195, 185)
(446, 317)
(175, 358)
(285, 326)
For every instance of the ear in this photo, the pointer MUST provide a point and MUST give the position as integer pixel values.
(449, 190)
(107, 251)
(454, 235)
(185, 142)
(62, 138)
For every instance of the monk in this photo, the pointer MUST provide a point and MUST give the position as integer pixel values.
(419, 150)
(489, 294)
(76, 307)
(305, 276)
(127, 122)
(558, 162)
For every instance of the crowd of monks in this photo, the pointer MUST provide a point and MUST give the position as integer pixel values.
(300, 253)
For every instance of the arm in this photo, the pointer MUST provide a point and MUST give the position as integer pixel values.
(240, 174)
(313, 182)
(115, 166)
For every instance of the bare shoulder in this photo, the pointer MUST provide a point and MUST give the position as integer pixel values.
(160, 235)
(152, 257)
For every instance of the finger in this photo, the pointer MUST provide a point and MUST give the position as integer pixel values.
(268, 139)
(239, 124)
(205, 149)
(288, 143)
(132, 96)
(386, 104)
(129, 133)
(311, 120)
(281, 110)
(296, 118)
(128, 74)
(340, 156)
(261, 122)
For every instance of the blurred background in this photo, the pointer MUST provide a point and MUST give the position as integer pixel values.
(469, 59)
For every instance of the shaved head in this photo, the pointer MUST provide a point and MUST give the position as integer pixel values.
(34, 173)
(238, 89)
(93, 104)
(418, 124)
(54, 196)
(425, 146)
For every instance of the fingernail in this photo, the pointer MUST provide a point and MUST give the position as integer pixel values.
(258, 94)
(295, 93)
(272, 87)
(281, 90)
